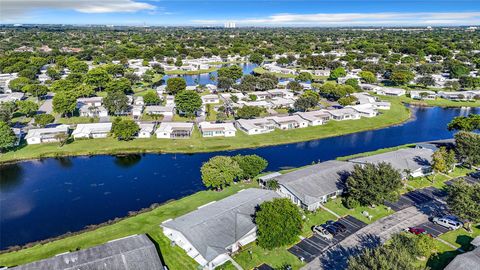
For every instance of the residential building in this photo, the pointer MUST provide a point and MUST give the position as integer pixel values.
(92, 111)
(136, 252)
(210, 99)
(214, 231)
(5, 79)
(90, 101)
(282, 102)
(92, 131)
(137, 111)
(159, 110)
(423, 94)
(261, 95)
(343, 114)
(19, 134)
(469, 260)
(280, 93)
(138, 101)
(255, 126)
(414, 162)
(146, 130)
(12, 97)
(460, 95)
(315, 118)
(46, 135)
(174, 130)
(365, 110)
(288, 122)
(390, 91)
(217, 129)
(310, 186)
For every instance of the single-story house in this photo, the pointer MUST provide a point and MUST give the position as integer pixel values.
(12, 97)
(315, 118)
(382, 105)
(390, 91)
(282, 102)
(217, 129)
(343, 114)
(93, 111)
(92, 130)
(159, 110)
(469, 260)
(423, 94)
(137, 111)
(19, 134)
(169, 100)
(128, 253)
(369, 87)
(364, 98)
(138, 101)
(460, 95)
(261, 95)
(414, 162)
(90, 102)
(46, 135)
(289, 122)
(310, 186)
(210, 99)
(280, 93)
(146, 130)
(255, 126)
(215, 230)
(174, 130)
(365, 110)
(258, 103)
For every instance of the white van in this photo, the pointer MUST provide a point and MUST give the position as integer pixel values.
(448, 222)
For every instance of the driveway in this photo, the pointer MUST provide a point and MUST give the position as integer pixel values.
(47, 106)
(369, 236)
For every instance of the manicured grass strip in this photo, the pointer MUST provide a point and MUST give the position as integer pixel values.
(397, 114)
(461, 238)
(261, 70)
(377, 213)
(439, 102)
(189, 72)
(148, 222)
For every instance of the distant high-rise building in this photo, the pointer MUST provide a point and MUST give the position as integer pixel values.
(230, 25)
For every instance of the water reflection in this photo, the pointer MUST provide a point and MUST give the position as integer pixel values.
(127, 161)
(11, 176)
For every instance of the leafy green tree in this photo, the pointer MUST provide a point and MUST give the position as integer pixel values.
(294, 86)
(225, 83)
(151, 98)
(251, 165)
(6, 111)
(333, 91)
(219, 172)
(249, 112)
(221, 117)
(53, 73)
(63, 86)
(233, 72)
(401, 77)
(256, 58)
(98, 78)
(17, 84)
(279, 222)
(309, 99)
(458, 70)
(353, 83)
(426, 81)
(7, 137)
(27, 107)
(36, 90)
(175, 85)
(84, 90)
(116, 103)
(115, 70)
(188, 102)
(64, 103)
(44, 119)
(124, 129)
(119, 85)
(463, 200)
(304, 77)
(272, 184)
(467, 145)
(78, 67)
(337, 73)
(465, 123)
(368, 76)
(443, 160)
(372, 184)
(348, 100)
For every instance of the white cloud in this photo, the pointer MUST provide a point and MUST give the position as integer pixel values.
(356, 19)
(11, 10)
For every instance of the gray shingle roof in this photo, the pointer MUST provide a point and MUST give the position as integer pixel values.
(136, 252)
(402, 159)
(310, 184)
(212, 228)
(467, 261)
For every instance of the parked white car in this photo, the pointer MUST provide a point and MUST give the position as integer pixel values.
(322, 232)
(448, 222)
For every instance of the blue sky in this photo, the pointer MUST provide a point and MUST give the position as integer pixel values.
(244, 13)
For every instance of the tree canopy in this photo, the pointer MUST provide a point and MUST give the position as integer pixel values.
(7, 137)
(219, 172)
(124, 129)
(251, 165)
(188, 102)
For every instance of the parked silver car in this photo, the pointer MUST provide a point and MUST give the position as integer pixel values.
(448, 222)
(322, 232)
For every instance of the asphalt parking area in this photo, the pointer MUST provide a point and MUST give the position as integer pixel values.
(415, 197)
(434, 229)
(310, 248)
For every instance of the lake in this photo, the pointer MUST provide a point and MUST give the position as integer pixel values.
(46, 198)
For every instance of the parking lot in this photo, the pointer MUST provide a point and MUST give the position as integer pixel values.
(433, 229)
(416, 197)
(312, 247)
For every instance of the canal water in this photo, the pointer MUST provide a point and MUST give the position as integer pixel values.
(50, 197)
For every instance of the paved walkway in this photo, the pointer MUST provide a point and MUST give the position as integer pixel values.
(371, 235)
(330, 211)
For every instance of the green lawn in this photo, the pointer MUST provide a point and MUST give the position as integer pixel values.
(196, 143)
(195, 72)
(77, 120)
(461, 238)
(376, 152)
(439, 102)
(261, 70)
(437, 181)
(377, 213)
(147, 222)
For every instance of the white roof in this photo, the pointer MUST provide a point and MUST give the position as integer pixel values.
(249, 124)
(225, 126)
(343, 111)
(209, 96)
(312, 116)
(170, 126)
(38, 132)
(156, 108)
(366, 108)
(92, 128)
(146, 127)
(286, 119)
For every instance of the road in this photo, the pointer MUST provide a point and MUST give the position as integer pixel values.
(371, 235)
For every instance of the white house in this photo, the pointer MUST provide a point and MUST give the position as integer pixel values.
(210, 99)
(215, 230)
(159, 110)
(365, 110)
(137, 111)
(261, 95)
(12, 97)
(423, 94)
(46, 135)
(390, 91)
(138, 101)
(92, 130)
(90, 101)
(280, 93)
(343, 114)
(92, 111)
(280, 102)
(255, 126)
(289, 122)
(217, 129)
(174, 130)
(146, 130)
(315, 118)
